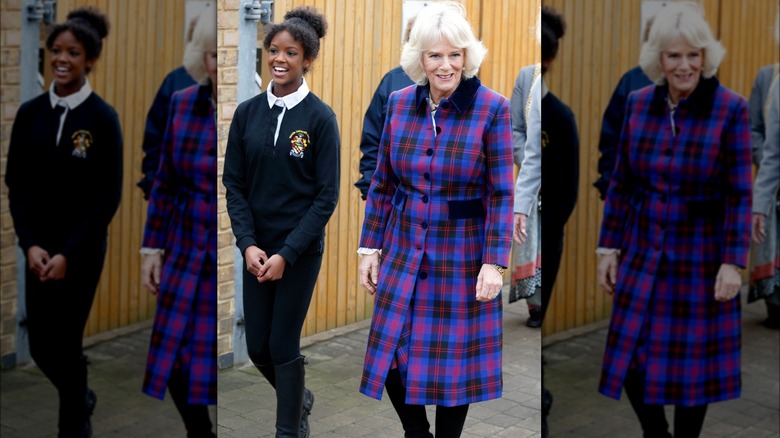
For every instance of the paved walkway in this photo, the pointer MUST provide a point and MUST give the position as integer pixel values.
(247, 403)
(572, 373)
(28, 402)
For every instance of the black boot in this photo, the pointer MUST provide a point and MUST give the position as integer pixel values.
(196, 417)
(772, 320)
(534, 317)
(308, 397)
(289, 397)
(413, 417)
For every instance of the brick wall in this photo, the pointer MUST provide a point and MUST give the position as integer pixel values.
(227, 55)
(10, 39)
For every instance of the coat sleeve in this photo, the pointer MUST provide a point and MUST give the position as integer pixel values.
(16, 179)
(500, 193)
(768, 176)
(234, 178)
(383, 184)
(164, 187)
(326, 169)
(529, 180)
(517, 104)
(109, 189)
(621, 188)
(756, 103)
(738, 192)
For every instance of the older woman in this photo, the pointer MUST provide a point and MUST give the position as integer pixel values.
(440, 210)
(676, 230)
(180, 243)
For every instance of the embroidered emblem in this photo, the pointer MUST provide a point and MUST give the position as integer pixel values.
(300, 141)
(82, 140)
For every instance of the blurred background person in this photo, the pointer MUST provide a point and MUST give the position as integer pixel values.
(765, 253)
(374, 119)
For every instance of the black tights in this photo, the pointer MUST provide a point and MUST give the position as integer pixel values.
(688, 421)
(449, 420)
(196, 417)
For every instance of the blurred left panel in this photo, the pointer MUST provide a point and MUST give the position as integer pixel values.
(107, 218)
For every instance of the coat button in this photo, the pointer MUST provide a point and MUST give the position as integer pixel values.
(668, 152)
(429, 151)
(427, 176)
(663, 198)
(424, 225)
(423, 275)
(438, 130)
(425, 199)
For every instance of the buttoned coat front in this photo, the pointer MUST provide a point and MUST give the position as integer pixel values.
(182, 220)
(678, 206)
(439, 206)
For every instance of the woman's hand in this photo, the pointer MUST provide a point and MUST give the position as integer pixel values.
(727, 283)
(489, 283)
(254, 258)
(150, 272)
(369, 271)
(37, 258)
(519, 233)
(55, 269)
(759, 225)
(607, 272)
(272, 269)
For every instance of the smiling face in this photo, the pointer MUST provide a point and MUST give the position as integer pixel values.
(681, 64)
(69, 63)
(286, 62)
(443, 66)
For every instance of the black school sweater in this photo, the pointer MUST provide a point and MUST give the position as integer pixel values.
(280, 196)
(62, 196)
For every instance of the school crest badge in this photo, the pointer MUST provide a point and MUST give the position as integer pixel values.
(300, 141)
(82, 141)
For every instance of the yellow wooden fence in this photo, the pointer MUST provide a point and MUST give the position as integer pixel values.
(601, 43)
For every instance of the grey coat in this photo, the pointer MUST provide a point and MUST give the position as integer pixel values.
(768, 176)
(518, 103)
(529, 180)
(758, 96)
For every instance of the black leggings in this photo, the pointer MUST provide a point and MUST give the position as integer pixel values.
(274, 311)
(196, 417)
(57, 311)
(688, 421)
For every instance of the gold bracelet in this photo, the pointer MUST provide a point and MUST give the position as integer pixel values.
(500, 269)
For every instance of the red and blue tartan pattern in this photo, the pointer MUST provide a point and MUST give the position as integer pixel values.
(678, 207)
(182, 220)
(426, 320)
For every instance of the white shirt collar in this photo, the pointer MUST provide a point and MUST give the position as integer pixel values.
(291, 99)
(73, 100)
(544, 88)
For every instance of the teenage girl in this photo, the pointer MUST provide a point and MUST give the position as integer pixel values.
(64, 179)
(282, 175)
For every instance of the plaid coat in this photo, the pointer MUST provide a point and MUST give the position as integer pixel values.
(678, 206)
(182, 220)
(439, 206)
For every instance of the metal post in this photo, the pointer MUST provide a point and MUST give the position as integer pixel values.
(252, 11)
(33, 13)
